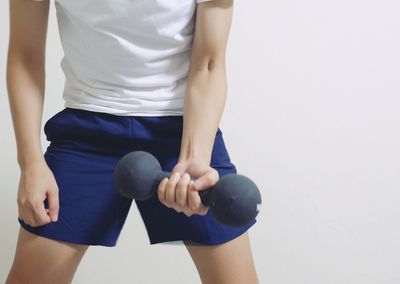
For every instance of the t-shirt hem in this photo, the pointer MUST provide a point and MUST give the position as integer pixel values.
(127, 113)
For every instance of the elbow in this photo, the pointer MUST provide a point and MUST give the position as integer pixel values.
(209, 64)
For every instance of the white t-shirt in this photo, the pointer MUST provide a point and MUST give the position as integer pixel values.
(126, 57)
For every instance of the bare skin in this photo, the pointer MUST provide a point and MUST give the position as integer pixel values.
(43, 260)
(227, 263)
(39, 260)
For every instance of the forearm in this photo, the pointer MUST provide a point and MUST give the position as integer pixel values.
(25, 86)
(203, 109)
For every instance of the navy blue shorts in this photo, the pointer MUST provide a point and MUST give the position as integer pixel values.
(83, 151)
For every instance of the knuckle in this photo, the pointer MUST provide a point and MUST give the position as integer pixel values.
(186, 176)
(175, 177)
(163, 182)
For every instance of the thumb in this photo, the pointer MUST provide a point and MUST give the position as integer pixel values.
(207, 180)
(54, 206)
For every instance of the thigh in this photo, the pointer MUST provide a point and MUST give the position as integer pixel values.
(42, 260)
(230, 262)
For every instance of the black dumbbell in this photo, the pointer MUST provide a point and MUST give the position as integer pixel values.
(234, 200)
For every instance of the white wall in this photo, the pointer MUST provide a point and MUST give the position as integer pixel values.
(312, 117)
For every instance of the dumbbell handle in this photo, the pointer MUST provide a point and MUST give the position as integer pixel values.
(204, 194)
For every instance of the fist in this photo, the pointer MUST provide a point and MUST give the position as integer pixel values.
(180, 190)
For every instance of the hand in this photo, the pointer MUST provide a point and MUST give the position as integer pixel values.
(181, 193)
(36, 182)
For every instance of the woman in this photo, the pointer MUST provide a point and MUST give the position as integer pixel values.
(137, 78)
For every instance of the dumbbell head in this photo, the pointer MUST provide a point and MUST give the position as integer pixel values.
(136, 174)
(235, 200)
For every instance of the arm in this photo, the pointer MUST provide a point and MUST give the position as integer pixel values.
(26, 75)
(207, 86)
(204, 104)
(25, 86)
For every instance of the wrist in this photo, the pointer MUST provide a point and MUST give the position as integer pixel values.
(27, 161)
(192, 153)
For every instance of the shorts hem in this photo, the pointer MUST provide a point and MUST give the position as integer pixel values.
(68, 240)
(211, 241)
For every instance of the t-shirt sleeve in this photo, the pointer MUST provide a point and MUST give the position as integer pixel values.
(200, 1)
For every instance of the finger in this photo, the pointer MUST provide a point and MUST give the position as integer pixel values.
(29, 210)
(40, 214)
(181, 191)
(29, 217)
(179, 168)
(193, 197)
(197, 206)
(170, 189)
(188, 212)
(203, 210)
(52, 196)
(207, 180)
(161, 189)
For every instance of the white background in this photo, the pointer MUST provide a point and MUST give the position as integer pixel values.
(312, 116)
